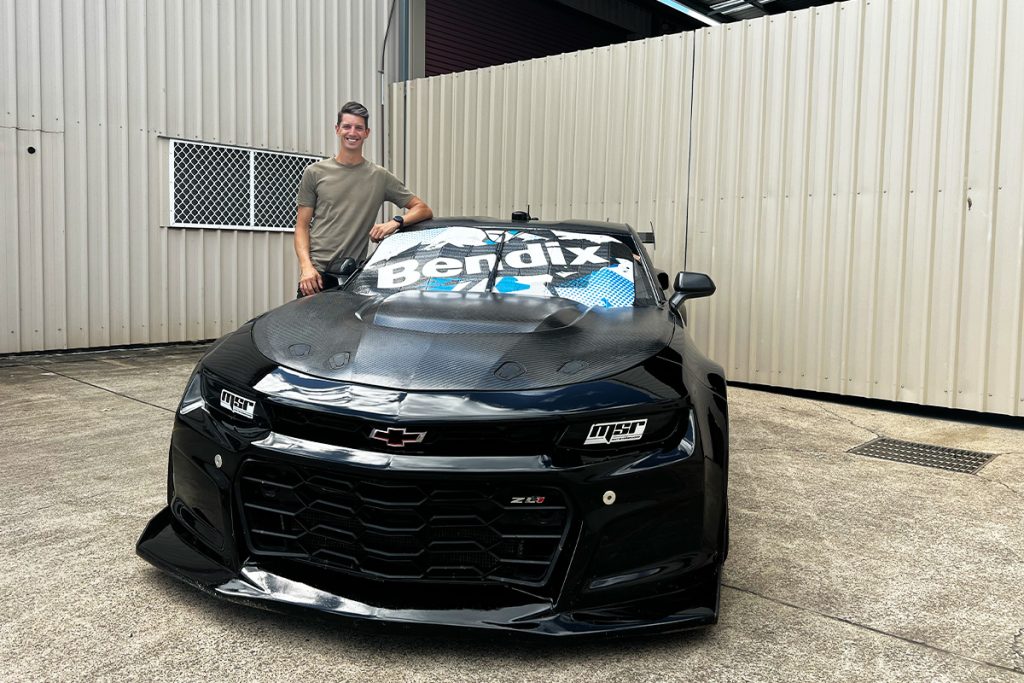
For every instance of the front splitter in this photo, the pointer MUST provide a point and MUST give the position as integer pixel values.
(162, 546)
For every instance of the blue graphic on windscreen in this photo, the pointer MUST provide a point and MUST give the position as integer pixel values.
(594, 270)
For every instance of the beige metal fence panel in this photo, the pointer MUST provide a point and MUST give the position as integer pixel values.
(96, 88)
(993, 226)
(10, 234)
(600, 134)
(854, 186)
(883, 255)
(8, 65)
(1006, 373)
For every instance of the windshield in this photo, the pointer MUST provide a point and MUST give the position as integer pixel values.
(590, 269)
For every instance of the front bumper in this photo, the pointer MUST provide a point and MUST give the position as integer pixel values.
(649, 562)
(167, 546)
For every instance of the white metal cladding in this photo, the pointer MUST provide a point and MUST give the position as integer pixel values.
(856, 193)
(600, 134)
(96, 87)
(855, 184)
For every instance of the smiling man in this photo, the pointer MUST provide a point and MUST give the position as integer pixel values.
(338, 200)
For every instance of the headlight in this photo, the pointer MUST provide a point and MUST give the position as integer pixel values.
(193, 397)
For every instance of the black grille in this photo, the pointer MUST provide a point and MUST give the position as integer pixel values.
(553, 436)
(400, 529)
(519, 438)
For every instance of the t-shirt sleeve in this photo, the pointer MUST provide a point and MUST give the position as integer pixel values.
(307, 188)
(396, 192)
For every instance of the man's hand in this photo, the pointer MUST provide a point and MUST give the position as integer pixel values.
(382, 230)
(310, 281)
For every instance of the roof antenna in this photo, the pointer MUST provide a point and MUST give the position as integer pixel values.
(654, 236)
(523, 216)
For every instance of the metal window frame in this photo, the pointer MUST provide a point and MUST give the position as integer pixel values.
(251, 151)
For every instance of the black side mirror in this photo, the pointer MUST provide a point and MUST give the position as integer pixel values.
(691, 286)
(341, 268)
(662, 278)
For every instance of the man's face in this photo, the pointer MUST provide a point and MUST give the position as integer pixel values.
(352, 132)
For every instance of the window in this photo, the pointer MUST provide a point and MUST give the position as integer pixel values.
(217, 186)
(590, 269)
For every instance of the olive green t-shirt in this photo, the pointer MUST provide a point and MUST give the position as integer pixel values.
(345, 201)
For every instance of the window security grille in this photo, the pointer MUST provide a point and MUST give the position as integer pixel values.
(216, 186)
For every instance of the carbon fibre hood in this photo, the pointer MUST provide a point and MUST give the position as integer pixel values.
(444, 341)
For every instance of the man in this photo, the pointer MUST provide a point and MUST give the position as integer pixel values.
(338, 199)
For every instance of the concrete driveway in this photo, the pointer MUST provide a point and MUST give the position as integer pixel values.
(842, 567)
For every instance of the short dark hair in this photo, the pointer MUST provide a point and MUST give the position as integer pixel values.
(355, 109)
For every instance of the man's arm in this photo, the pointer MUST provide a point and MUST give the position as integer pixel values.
(417, 210)
(309, 278)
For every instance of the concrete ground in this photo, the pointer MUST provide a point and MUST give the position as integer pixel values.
(842, 567)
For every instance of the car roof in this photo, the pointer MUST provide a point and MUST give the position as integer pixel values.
(599, 227)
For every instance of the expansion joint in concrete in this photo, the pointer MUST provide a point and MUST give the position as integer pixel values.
(1018, 642)
(101, 388)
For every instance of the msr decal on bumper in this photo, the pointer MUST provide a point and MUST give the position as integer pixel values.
(615, 432)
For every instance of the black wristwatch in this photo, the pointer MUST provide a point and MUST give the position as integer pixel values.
(399, 220)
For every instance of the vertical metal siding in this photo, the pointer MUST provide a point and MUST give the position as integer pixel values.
(854, 187)
(96, 87)
(870, 254)
(598, 134)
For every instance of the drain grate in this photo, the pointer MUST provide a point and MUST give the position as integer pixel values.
(951, 459)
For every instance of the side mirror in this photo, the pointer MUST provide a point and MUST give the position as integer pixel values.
(662, 278)
(341, 268)
(691, 286)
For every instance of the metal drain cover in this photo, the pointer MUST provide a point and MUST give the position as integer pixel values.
(951, 459)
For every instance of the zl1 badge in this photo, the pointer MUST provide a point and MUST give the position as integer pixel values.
(615, 432)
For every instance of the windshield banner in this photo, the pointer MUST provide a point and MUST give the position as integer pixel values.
(594, 270)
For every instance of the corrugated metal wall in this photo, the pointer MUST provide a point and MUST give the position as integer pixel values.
(856, 192)
(855, 187)
(95, 87)
(599, 134)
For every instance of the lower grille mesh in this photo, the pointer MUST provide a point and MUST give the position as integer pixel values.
(400, 529)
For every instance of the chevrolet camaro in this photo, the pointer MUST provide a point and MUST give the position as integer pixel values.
(488, 424)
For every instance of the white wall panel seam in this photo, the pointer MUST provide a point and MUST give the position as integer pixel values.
(877, 208)
(908, 183)
(10, 197)
(8, 65)
(993, 220)
(934, 189)
(952, 375)
(799, 200)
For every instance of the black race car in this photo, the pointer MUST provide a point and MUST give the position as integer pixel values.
(490, 424)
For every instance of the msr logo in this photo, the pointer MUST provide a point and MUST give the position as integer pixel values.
(237, 404)
(527, 500)
(615, 432)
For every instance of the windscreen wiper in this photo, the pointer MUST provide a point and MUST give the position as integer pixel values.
(497, 262)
